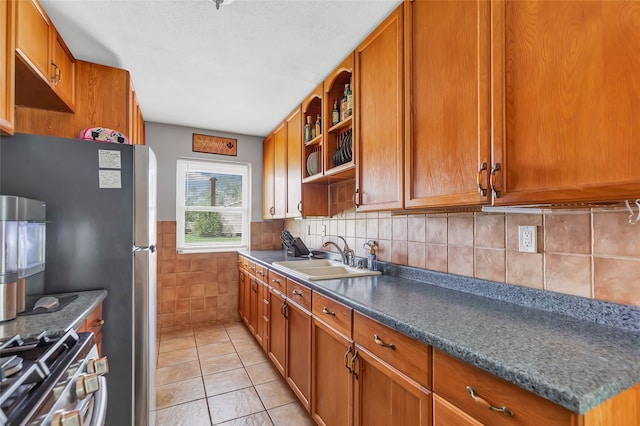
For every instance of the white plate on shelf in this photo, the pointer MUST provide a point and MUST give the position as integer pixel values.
(311, 164)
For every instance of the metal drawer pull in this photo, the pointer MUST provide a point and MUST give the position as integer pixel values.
(98, 323)
(504, 409)
(297, 292)
(383, 344)
(346, 359)
(328, 312)
(483, 191)
(275, 281)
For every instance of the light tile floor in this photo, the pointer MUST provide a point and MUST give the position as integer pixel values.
(219, 375)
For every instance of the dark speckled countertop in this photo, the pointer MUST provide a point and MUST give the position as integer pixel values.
(54, 322)
(573, 351)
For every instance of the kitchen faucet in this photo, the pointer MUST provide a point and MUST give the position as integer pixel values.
(348, 255)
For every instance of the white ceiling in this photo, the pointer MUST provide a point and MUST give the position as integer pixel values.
(239, 69)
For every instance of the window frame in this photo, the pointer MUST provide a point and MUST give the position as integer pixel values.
(183, 165)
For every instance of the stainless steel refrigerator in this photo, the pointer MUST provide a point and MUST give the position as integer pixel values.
(101, 234)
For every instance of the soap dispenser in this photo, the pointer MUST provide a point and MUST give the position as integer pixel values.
(372, 260)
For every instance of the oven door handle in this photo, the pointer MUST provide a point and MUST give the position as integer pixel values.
(100, 405)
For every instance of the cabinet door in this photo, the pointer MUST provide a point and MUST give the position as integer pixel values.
(331, 381)
(448, 94)
(379, 116)
(63, 73)
(253, 305)
(268, 176)
(446, 414)
(384, 396)
(7, 73)
(566, 100)
(280, 172)
(242, 301)
(32, 37)
(294, 167)
(299, 352)
(277, 330)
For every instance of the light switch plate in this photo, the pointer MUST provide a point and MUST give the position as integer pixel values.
(527, 239)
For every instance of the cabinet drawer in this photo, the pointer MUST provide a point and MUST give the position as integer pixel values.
(260, 272)
(411, 357)
(277, 281)
(243, 263)
(333, 313)
(299, 294)
(252, 268)
(95, 321)
(451, 377)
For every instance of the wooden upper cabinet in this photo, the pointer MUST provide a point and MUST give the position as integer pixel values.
(566, 102)
(280, 171)
(448, 95)
(339, 140)
(7, 72)
(45, 69)
(312, 161)
(136, 121)
(379, 109)
(294, 166)
(268, 176)
(102, 96)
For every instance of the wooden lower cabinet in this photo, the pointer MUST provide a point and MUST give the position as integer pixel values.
(277, 330)
(384, 396)
(298, 361)
(253, 305)
(242, 296)
(447, 414)
(93, 323)
(331, 380)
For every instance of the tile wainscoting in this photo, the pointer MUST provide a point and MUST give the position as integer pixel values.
(586, 252)
(202, 288)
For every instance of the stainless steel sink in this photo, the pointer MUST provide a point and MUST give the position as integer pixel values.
(322, 269)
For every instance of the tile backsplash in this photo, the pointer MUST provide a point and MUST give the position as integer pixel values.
(202, 288)
(586, 252)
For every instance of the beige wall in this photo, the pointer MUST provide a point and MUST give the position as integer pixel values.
(587, 252)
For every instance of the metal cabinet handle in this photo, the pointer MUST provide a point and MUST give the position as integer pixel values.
(283, 310)
(353, 365)
(504, 409)
(483, 191)
(275, 281)
(383, 344)
(300, 206)
(297, 292)
(97, 324)
(346, 359)
(328, 312)
(254, 286)
(57, 77)
(496, 191)
(272, 211)
(356, 198)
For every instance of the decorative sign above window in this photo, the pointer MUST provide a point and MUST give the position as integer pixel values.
(214, 145)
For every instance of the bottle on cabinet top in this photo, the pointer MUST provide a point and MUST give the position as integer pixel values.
(343, 103)
(349, 100)
(335, 116)
(307, 130)
(318, 126)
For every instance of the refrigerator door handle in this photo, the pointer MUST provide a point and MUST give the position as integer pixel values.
(151, 249)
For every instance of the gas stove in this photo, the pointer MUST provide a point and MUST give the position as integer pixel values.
(52, 380)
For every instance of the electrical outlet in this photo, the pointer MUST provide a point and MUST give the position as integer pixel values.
(324, 230)
(527, 239)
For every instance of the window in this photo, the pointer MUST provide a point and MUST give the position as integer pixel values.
(212, 206)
